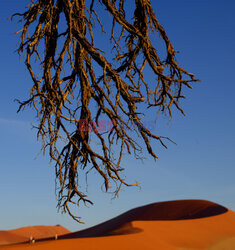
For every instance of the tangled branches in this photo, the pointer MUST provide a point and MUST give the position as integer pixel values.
(79, 82)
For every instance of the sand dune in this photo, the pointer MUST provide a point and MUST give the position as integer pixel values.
(186, 224)
(171, 210)
(24, 233)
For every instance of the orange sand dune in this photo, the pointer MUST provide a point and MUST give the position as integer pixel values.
(24, 233)
(186, 224)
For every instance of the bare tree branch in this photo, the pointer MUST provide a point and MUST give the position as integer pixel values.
(80, 87)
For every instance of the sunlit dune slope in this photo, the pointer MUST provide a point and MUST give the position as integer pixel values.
(24, 233)
(186, 224)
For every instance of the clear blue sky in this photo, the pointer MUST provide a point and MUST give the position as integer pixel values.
(201, 166)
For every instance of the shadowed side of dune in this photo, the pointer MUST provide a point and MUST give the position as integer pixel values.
(177, 210)
(170, 210)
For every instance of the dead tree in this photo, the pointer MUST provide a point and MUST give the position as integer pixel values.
(77, 86)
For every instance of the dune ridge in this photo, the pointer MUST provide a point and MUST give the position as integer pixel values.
(183, 224)
(168, 210)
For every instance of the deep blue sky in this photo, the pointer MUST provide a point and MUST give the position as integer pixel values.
(201, 166)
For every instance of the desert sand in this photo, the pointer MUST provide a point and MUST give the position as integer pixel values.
(183, 224)
(24, 233)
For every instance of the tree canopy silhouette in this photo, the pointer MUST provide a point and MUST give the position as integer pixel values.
(77, 87)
